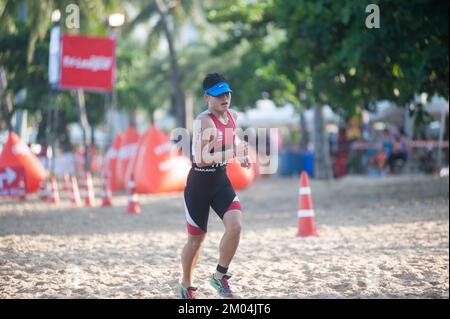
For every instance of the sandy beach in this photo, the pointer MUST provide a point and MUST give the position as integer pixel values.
(378, 238)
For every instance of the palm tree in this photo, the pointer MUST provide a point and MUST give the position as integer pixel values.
(12, 14)
(167, 18)
(36, 16)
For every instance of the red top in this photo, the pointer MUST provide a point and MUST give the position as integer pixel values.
(226, 133)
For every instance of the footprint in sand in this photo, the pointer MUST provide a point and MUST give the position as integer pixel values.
(275, 259)
(39, 283)
(282, 271)
(172, 283)
(405, 276)
(385, 267)
(362, 284)
(19, 276)
(343, 286)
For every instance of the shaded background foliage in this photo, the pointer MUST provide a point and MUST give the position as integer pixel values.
(298, 51)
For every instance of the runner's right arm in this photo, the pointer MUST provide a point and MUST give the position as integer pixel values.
(203, 135)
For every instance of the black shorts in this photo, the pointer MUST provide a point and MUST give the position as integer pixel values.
(207, 187)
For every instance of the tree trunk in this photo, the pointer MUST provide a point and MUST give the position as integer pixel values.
(179, 99)
(446, 128)
(6, 107)
(409, 120)
(63, 133)
(92, 135)
(110, 121)
(48, 130)
(189, 113)
(82, 116)
(54, 136)
(322, 162)
(304, 135)
(151, 117)
(132, 119)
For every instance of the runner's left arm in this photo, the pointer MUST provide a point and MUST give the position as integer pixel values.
(241, 146)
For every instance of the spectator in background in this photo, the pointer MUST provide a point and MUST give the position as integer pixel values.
(382, 150)
(387, 142)
(340, 153)
(399, 152)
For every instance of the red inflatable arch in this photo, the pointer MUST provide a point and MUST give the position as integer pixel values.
(111, 162)
(139, 149)
(158, 167)
(126, 152)
(16, 153)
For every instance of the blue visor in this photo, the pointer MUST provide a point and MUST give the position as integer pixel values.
(218, 88)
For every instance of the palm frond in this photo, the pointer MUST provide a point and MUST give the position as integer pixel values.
(39, 21)
(8, 8)
(146, 13)
(154, 37)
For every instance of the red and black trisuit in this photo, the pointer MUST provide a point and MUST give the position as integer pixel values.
(209, 186)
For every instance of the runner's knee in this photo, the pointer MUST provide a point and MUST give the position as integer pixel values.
(234, 227)
(195, 242)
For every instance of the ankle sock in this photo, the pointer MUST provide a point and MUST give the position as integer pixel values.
(220, 271)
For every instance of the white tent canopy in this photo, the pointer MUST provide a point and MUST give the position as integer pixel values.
(436, 106)
(389, 112)
(328, 115)
(267, 114)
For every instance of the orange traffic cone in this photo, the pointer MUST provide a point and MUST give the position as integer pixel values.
(133, 204)
(305, 213)
(67, 183)
(89, 198)
(43, 194)
(106, 195)
(75, 191)
(54, 198)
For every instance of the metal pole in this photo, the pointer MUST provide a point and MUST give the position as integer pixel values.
(84, 127)
(113, 108)
(441, 138)
(112, 95)
(6, 106)
(48, 129)
(54, 132)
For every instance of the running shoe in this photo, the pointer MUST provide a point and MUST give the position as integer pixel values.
(186, 293)
(221, 285)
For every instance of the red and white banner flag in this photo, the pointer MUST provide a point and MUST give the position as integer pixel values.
(87, 63)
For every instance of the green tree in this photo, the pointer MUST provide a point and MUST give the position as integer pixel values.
(24, 39)
(350, 65)
(140, 80)
(345, 64)
(169, 15)
(329, 56)
(249, 43)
